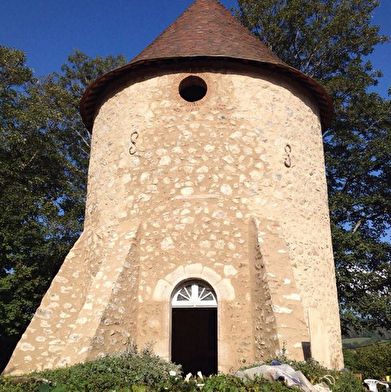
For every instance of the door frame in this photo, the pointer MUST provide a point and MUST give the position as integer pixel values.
(194, 294)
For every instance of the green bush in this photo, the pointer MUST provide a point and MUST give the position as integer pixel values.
(227, 383)
(372, 361)
(105, 374)
(344, 381)
(144, 372)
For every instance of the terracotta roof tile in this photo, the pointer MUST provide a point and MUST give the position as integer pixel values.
(205, 31)
(207, 28)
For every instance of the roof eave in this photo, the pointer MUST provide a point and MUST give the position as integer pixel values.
(98, 90)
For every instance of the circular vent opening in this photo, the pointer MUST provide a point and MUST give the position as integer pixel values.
(192, 89)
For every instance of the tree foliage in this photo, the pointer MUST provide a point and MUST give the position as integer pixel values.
(330, 40)
(44, 150)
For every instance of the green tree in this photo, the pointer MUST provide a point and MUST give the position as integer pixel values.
(44, 149)
(330, 40)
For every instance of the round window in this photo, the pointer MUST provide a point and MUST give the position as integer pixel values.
(192, 88)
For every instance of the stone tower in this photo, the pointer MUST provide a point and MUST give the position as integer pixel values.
(207, 230)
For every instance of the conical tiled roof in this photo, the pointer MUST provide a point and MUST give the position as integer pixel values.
(206, 30)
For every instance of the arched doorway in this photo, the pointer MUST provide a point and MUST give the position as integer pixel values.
(194, 328)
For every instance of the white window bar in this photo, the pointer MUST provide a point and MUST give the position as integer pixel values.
(194, 294)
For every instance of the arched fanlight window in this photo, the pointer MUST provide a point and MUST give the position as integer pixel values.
(194, 294)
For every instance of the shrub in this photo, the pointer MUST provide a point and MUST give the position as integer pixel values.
(144, 372)
(315, 373)
(105, 374)
(372, 361)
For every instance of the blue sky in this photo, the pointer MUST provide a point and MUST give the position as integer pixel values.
(49, 30)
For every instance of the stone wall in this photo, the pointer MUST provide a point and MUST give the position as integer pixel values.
(230, 189)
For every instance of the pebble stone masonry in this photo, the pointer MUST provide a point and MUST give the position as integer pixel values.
(228, 189)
